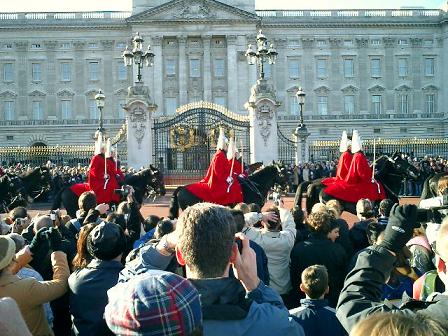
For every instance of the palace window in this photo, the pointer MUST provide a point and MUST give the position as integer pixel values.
(321, 68)
(429, 66)
(322, 105)
(66, 45)
(403, 103)
(36, 46)
(375, 42)
(349, 104)
(376, 104)
(195, 68)
(94, 68)
(294, 68)
(170, 67)
(9, 109)
(402, 67)
(219, 67)
(402, 42)
(430, 103)
(349, 69)
(375, 67)
(37, 110)
(8, 72)
(66, 72)
(170, 105)
(66, 109)
(294, 108)
(36, 72)
(93, 109)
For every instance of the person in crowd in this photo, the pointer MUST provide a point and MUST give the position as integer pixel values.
(319, 250)
(262, 259)
(335, 208)
(302, 230)
(319, 207)
(421, 252)
(83, 257)
(157, 296)
(276, 238)
(384, 211)
(204, 241)
(389, 324)
(361, 295)
(358, 233)
(86, 202)
(149, 226)
(314, 314)
(333, 235)
(164, 227)
(88, 286)
(29, 293)
(12, 322)
(242, 207)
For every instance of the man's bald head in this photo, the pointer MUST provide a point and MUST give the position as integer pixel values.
(41, 222)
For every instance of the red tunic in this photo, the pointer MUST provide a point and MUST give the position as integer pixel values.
(96, 181)
(357, 184)
(341, 172)
(213, 187)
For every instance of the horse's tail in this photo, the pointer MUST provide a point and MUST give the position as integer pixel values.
(57, 200)
(174, 205)
(299, 192)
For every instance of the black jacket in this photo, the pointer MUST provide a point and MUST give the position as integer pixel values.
(361, 295)
(321, 251)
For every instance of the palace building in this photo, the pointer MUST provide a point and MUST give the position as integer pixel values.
(378, 71)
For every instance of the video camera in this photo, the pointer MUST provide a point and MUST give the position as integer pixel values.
(433, 210)
(124, 191)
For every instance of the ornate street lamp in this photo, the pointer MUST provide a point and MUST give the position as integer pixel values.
(100, 100)
(138, 55)
(301, 131)
(261, 54)
(300, 96)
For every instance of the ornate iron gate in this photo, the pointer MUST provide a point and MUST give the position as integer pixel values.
(184, 144)
(286, 148)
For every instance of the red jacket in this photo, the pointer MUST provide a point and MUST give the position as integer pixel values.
(358, 183)
(213, 187)
(342, 170)
(96, 181)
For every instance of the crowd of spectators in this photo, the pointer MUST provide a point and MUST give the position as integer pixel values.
(222, 271)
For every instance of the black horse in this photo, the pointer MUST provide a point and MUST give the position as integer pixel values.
(145, 183)
(430, 186)
(390, 172)
(255, 189)
(12, 192)
(36, 182)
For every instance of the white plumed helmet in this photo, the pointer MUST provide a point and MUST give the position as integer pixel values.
(231, 150)
(343, 146)
(108, 151)
(222, 140)
(98, 143)
(356, 142)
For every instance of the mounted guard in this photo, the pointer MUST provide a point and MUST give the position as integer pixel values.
(344, 162)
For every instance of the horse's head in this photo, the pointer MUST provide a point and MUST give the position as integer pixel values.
(396, 165)
(13, 191)
(156, 181)
(281, 178)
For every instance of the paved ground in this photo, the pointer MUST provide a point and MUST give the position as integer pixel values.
(160, 207)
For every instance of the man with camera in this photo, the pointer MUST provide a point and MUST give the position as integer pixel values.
(361, 295)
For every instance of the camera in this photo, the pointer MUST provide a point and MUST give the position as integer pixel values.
(124, 191)
(433, 210)
(54, 214)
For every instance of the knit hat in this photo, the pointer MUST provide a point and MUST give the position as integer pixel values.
(154, 303)
(7, 251)
(106, 241)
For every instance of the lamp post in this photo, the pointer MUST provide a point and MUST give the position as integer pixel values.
(261, 54)
(100, 100)
(138, 55)
(301, 131)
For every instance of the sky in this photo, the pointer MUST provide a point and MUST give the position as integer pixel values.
(126, 5)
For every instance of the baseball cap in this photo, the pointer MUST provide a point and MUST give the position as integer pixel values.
(155, 303)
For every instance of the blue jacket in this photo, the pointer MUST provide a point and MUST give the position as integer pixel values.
(317, 318)
(88, 296)
(143, 239)
(227, 308)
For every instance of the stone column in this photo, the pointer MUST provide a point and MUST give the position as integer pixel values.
(183, 69)
(415, 74)
(21, 78)
(443, 106)
(158, 71)
(302, 148)
(262, 107)
(232, 69)
(364, 73)
(51, 79)
(206, 39)
(139, 119)
(79, 79)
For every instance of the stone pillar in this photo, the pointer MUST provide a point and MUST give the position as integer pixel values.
(262, 107)
(206, 40)
(232, 69)
(140, 108)
(158, 71)
(183, 69)
(21, 78)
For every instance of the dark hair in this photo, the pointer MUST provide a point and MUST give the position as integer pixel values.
(254, 207)
(163, 227)
(315, 281)
(150, 222)
(116, 218)
(206, 238)
(319, 222)
(385, 207)
(83, 257)
(271, 224)
(298, 215)
(238, 216)
(18, 212)
(334, 223)
(87, 201)
(373, 231)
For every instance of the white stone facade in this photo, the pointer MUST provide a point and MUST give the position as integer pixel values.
(379, 71)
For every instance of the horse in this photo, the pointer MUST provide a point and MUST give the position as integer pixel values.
(36, 182)
(255, 189)
(145, 183)
(12, 192)
(430, 186)
(391, 170)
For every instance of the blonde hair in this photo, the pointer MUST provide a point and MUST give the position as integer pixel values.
(335, 207)
(395, 324)
(318, 207)
(442, 185)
